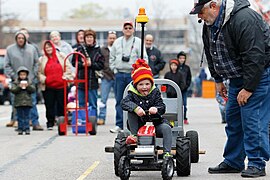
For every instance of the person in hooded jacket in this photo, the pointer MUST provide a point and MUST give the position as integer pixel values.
(22, 89)
(79, 39)
(23, 54)
(176, 77)
(185, 70)
(94, 62)
(51, 76)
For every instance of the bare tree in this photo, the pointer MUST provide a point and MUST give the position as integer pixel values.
(87, 11)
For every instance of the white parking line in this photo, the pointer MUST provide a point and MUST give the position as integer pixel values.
(89, 170)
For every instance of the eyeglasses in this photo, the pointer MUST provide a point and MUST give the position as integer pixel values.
(111, 32)
(126, 28)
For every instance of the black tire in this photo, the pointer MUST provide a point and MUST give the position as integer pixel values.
(120, 149)
(167, 168)
(124, 168)
(61, 120)
(93, 120)
(183, 156)
(194, 146)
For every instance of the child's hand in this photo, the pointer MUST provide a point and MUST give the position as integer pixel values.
(153, 110)
(140, 112)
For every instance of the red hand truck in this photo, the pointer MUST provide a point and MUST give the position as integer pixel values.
(90, 124)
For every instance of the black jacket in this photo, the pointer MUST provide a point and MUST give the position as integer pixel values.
(97, 63)
(185, 70)
(178, 79)
(247, 38)
(155, 60)
(153, 99)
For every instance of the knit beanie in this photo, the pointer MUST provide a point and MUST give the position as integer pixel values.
(174, 61)
(141, 71)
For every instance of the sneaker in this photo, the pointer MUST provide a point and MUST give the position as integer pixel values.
(116, 129)
(27, 132)
(10, 124)
(20, 132)
(100, 122)
(37, 128)
(186, 121)
(167, 155)
(253, 172)
(50, 128)
(131, 139)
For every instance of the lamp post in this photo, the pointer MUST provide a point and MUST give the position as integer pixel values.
(142, 19)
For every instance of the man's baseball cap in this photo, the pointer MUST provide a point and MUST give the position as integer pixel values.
(198, 5)
(128, 23)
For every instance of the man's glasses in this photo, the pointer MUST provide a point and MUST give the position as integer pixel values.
(128, 28)
(111, 32)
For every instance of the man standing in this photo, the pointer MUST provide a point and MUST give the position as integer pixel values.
(155, 58)
(125, 51)
(236, 42)
(107, 81)
(23, 54)
(185, 70)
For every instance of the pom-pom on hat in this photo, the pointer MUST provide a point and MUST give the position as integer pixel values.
(141, 71)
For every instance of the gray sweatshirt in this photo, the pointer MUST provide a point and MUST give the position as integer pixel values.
(21, 56)
(122, 47)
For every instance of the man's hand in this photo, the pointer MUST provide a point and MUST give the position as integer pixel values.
(221, 89)
(153, 110)
(243, 97)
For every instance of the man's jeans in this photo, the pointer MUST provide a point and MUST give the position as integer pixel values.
(34, 113)
(106, 86)
(92, 98)
(23, 114)
(247, 126)
(121, 81)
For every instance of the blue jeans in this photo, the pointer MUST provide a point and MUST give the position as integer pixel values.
(247, 126)
(106, 86)
(23, 114)
(92, 98)
(34, 113)
(184, 97)
(121, 81)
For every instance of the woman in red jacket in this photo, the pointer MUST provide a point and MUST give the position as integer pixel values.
(51, 75)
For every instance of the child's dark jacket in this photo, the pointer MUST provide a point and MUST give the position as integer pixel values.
(178, 79)
(153, 99)
(22, 96)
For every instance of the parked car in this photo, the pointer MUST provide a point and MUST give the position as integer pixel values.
(4, 81)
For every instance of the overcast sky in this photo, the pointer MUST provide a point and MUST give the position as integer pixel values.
(29, 9)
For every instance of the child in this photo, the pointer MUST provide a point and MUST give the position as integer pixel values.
(144, 96)
(22, 89)
(185, 70)
(176, 77)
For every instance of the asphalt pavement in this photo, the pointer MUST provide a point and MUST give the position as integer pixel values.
(46, 156)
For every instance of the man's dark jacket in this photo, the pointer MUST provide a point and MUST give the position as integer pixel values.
(155, 60)
(247, 38)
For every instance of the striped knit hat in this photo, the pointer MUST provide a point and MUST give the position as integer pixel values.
(141, 71)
